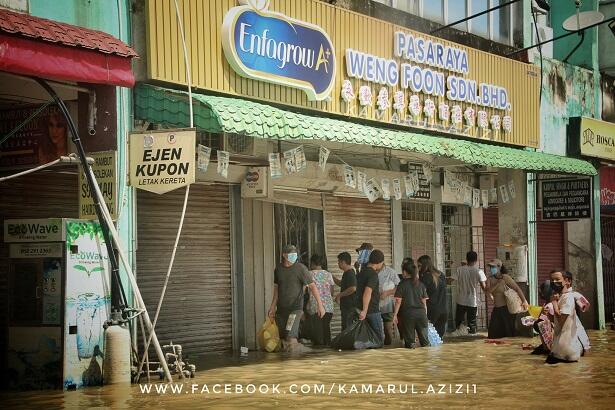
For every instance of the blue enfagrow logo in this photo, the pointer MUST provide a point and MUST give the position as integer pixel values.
(275, 48)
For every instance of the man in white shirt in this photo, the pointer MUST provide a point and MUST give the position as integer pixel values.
(467, 279)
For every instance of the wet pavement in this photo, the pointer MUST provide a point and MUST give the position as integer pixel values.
(465, 372)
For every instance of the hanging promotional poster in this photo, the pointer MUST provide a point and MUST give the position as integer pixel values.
(87, 304)
(41, 140)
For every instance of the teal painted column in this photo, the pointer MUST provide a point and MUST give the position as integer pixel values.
(532, 244)
(598, 250)
(112, 17)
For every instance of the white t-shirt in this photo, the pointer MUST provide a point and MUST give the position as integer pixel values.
(387, 280)
(467, 279)
(566, 342)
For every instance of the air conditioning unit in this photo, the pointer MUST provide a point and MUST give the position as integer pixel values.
(238, 144)
(235, 144)
(544, 33)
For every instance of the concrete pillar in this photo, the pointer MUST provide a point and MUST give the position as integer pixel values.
(397, 233)
(532, 244)
(513, 215)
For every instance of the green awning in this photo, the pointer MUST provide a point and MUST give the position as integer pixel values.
(235, 115)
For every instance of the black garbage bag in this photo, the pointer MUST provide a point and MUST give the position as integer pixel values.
(357, 336)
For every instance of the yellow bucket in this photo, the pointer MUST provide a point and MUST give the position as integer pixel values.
(535, 311)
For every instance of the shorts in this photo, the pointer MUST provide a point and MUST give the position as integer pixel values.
(387, 317)
(288, 323)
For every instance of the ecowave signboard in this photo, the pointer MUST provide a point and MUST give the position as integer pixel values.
(272, 47)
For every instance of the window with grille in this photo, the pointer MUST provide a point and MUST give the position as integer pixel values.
(419, 229)
(301, 227)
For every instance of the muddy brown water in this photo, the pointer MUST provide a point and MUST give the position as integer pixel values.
(490, 375)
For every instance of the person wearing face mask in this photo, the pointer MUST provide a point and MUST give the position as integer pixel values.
(363, 253)
(368, 296)
(290, 278)
(570, 340)
(502, 323)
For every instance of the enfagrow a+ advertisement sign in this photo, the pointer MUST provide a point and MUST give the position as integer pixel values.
(312, 55)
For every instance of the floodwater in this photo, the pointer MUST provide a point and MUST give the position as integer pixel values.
(490, 375)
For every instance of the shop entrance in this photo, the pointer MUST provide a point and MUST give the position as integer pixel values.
(458, 238)
(302, 227)
(607, 226)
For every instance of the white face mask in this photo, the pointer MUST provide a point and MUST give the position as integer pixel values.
(292, 257)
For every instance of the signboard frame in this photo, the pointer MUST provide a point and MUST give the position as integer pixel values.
(546, 212)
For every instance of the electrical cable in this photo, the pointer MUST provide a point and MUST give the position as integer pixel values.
(109, 231)
(186, 196)
(540, 53)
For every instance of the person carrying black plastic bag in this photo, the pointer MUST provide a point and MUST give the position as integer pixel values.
(359, 335)
(411, 305)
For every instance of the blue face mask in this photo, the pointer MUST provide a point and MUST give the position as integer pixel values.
(363, 257)
(292, 257)
(494, 270)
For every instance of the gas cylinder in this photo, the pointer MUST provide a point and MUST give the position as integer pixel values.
(116, 363)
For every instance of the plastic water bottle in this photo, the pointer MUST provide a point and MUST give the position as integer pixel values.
(433, 336)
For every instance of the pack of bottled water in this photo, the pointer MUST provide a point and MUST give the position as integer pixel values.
(433, 336)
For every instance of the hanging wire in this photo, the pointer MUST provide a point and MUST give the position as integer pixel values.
(70, 159)
(183, 214)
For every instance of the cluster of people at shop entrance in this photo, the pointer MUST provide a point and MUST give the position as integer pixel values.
(304, 301)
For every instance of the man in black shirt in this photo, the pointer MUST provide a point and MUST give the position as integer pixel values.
(368, 296)
(348, 287)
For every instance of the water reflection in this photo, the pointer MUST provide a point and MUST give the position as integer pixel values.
(504, 375)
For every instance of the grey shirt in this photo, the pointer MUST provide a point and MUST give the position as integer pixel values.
(291, 282)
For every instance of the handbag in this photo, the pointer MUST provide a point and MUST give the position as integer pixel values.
(513, 301)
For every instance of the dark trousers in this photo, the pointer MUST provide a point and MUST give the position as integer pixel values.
(320, 329)
(460, 315)
(438, 319)
(348, 316)
(502, 323)
(411, 323)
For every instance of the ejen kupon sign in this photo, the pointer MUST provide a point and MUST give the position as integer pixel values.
(312, 55)
(161, 161)
(566, 199)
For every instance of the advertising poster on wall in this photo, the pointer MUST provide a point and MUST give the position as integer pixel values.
(88, 303)
(41, 140)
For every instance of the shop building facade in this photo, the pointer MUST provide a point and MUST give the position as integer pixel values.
(80, 52)
(466, 170)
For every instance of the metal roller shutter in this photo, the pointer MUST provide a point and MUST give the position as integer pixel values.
(550, 238)
(491, 233)
(350, 222)
(197, 309)
(42, 195)
(607, 228)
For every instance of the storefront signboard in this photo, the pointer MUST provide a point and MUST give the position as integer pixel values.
(594, 138)
(324, 58)
(566, 199)
(161, 161)
(35, 250)
(272, 47)
(33, 230)
(105, 171)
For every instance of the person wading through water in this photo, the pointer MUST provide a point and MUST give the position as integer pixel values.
(290, 278)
